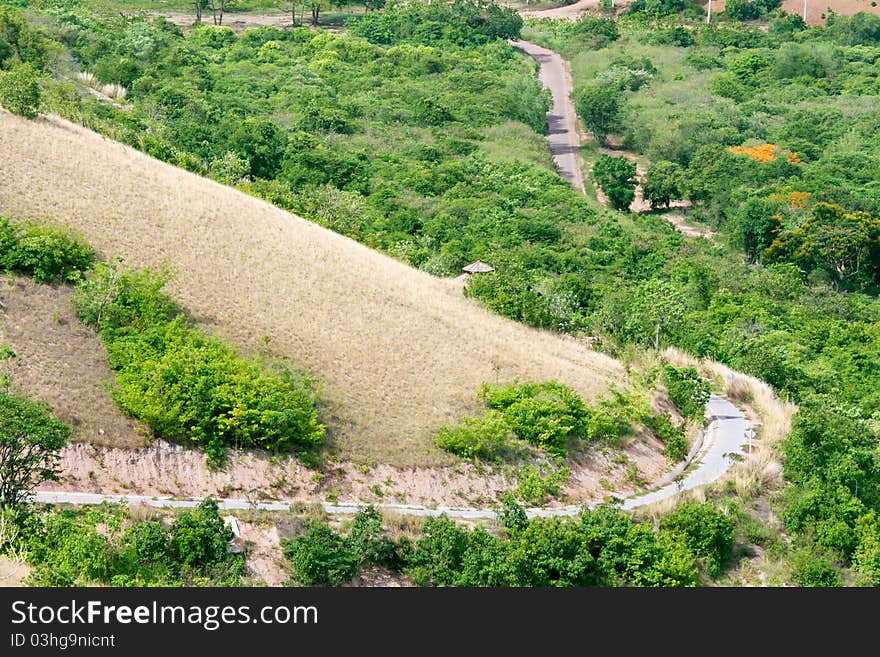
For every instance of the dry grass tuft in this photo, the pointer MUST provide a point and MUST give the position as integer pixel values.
(400, 352)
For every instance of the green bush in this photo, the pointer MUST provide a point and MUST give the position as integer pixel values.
(320, 557)
(45, 253)
(544, 414)
(105, 546)
(535, 483)
(811, 569)
(616, 176)
(30, 437)
(707, 531)
(672, 437)
(687, 390)
(20, 91)
(484, 436)
(184, 385)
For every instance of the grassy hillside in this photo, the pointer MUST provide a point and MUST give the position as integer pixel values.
(400, 351)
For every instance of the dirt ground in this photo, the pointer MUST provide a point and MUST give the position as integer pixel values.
(164, 469)
(12, 573)
(61, 362)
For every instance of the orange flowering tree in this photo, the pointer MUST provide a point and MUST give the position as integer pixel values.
(844, 244)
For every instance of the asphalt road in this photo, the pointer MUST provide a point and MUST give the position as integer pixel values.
(562, 134)
(724, 436)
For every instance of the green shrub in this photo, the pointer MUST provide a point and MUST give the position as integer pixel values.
(46, 253)
(707, 531)
(672, 437)
(616, 176)
(544, 414)
(320, 557)
(20, 90)
(184, 385)
(30, 437)
(535, 483)
(687, 390)
(811, 569)
(483, 436)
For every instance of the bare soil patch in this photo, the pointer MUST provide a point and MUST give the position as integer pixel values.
(61, 362)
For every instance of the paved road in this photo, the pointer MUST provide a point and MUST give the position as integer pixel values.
(724, 435)
(562, 134)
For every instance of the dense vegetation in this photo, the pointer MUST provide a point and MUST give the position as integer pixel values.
(775, 143)
(601, 547)
(183, 384)
(416, 139)
(108, 546)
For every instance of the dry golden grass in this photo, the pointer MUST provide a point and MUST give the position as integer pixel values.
(400, 352)
(60, 362)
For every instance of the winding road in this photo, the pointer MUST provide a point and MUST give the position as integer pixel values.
(713, 454)
(562, 134)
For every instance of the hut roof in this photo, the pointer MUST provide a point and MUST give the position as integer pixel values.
(477, 268)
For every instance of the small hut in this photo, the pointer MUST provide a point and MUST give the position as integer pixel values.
(477, 267)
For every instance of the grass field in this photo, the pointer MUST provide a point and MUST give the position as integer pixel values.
(400, 352)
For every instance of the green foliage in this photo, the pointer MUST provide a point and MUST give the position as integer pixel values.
(30, 437)
(104, 546)
(45, 253)
(657, 7)
(20, 90)
(845, 246)
(616, 176)
(544, 414)
(483, 437)
(320, 557)
(599, 105)
(262, 144)
(707, 531)
(462, 23)
(199, 538)
(672, 437)
(184, 385)
(745, 10)
(536, 483)
(687, 390)
(512, 516)
(664, 182)
(811, 569)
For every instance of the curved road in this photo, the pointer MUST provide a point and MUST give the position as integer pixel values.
(562, 134)
(723, 437)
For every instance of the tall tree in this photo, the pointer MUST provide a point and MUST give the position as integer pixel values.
(30, 437)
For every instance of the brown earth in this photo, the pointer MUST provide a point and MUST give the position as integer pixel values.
(61, 362)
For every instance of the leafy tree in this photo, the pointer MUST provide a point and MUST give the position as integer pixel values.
(687, 390)
(30, 437)
(46, 253)
(512, 516)
(320, 557)
(262, 143)
(20, 90)
(200, 537)
(707, 532)
(664, 182)
(600, 107)
(755, 225)
(844, 244)
(616, 176)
